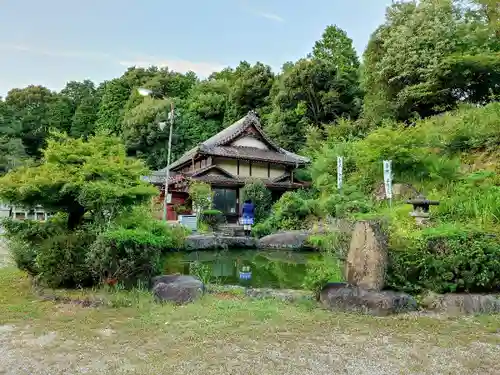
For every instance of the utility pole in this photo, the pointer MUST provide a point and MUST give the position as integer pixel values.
(170, 116)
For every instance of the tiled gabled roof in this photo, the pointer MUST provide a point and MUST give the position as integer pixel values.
(218, 145)
(257, 154)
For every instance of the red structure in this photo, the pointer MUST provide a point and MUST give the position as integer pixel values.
(179, 204)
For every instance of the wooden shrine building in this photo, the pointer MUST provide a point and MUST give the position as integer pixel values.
(239, 153)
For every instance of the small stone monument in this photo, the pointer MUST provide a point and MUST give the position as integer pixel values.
(421, 209)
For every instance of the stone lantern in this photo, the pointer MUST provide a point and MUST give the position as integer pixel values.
(421, 208)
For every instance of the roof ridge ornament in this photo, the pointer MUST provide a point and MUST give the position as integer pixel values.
(253, 113)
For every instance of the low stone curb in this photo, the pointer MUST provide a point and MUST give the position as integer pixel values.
(287, 295)
(197, 242)
(462, 304)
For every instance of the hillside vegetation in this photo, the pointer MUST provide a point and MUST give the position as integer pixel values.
(452, 158)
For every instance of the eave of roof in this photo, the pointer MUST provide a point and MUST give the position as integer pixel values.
(239, 181)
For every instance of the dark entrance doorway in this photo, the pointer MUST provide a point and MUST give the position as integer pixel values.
(226, 201)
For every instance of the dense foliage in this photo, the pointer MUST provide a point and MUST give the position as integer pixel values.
(94, 189)
(447, 259)
(291, 211)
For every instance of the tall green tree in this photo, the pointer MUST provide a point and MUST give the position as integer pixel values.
(32, 106)
(406, 61)
(312, 92)
(83, 123)
(163, 82)
(336, 47)
(77, 91)
(85, 99)
(11, 148)
(250, 90)
(111, 108)
(142, 134)
(60, 113)
(490, 9)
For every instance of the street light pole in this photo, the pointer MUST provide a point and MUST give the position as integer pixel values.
(170, 116)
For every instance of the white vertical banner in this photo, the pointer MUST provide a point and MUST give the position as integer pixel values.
(340, 166)
(388, 178)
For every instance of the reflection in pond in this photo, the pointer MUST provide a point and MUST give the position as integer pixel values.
(271, 268)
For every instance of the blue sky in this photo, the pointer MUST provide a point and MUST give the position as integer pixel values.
(53, 41)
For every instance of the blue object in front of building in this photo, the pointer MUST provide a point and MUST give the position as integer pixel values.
(245, 275)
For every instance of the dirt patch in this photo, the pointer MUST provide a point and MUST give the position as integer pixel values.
(4, 253)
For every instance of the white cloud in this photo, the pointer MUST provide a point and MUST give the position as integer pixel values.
(203, 69)
(56, 53)
(271, 16)
(259, 12)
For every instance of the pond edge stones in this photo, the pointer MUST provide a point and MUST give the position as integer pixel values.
(197, 242)
(179, 289)
(354, 299)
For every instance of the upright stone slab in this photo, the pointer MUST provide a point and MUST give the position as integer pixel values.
(366, 263)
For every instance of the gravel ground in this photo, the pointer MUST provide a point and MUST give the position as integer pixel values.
(23, 352)
(232, 336)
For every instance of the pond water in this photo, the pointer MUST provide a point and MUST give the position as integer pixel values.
(257, 269)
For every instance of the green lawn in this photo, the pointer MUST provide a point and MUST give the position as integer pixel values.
(228, 334)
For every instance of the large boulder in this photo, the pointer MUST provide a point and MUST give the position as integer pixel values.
(178, 289)
(291, 240)
(354, 299)
(366, 262)
(457, 304)
(215, 242)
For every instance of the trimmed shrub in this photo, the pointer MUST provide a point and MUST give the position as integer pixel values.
(61, 259)
(129, 252)
(24, 256)
(261, 198)
(212, 218)
(447, 259)
(49, 252)
(125, 256)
